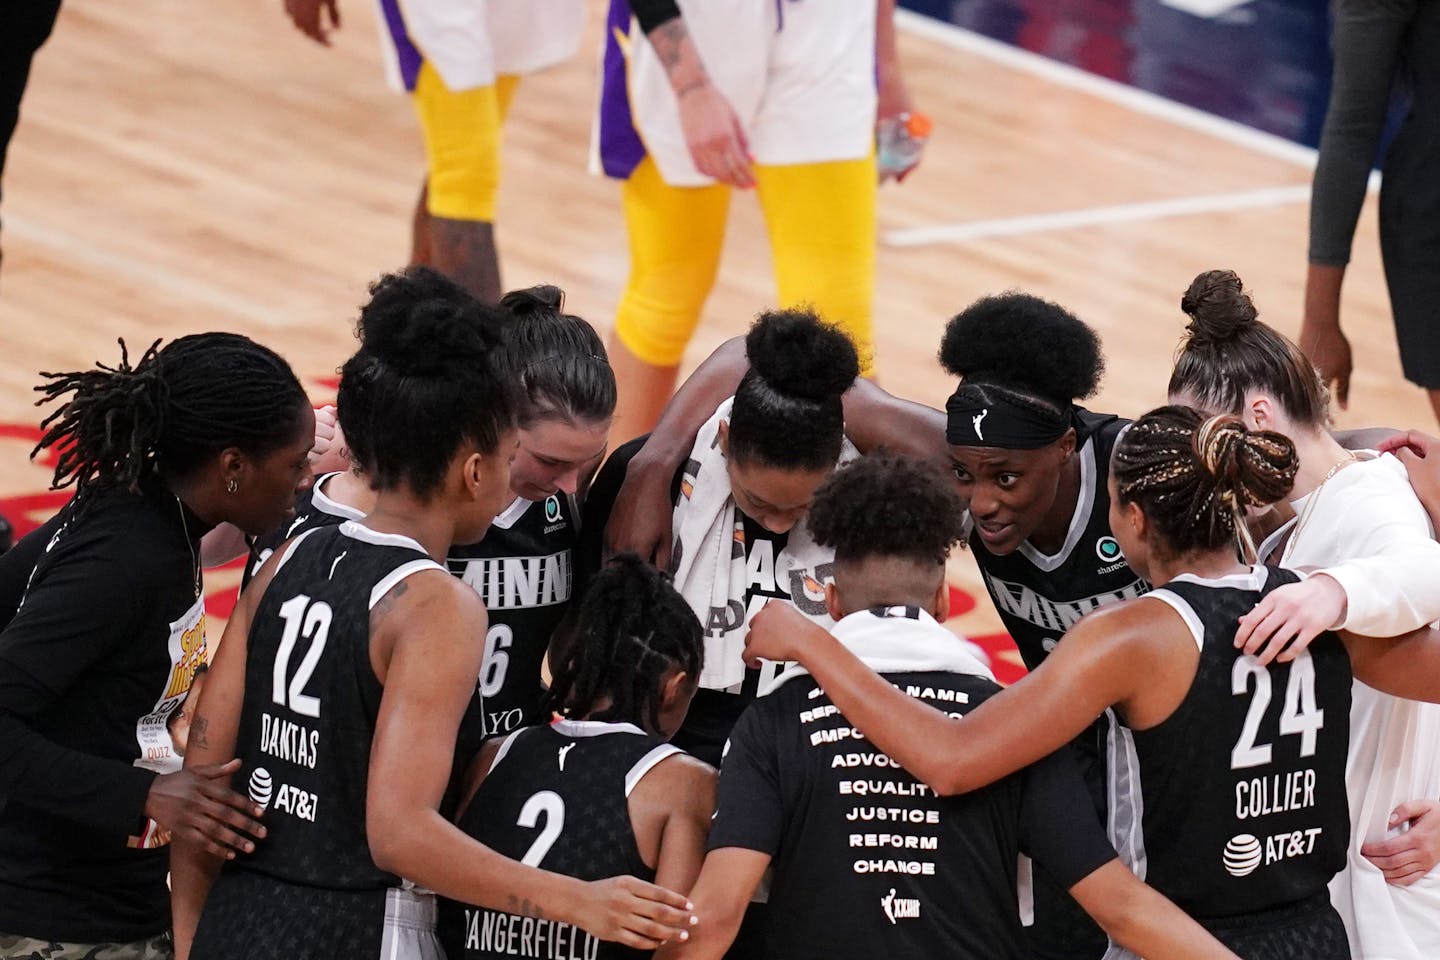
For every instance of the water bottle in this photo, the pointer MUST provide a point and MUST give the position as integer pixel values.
(899, 143)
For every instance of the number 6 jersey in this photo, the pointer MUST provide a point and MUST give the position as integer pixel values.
(311, 702)
(1243, 786)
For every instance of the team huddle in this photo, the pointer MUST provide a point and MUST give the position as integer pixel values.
(771, 749)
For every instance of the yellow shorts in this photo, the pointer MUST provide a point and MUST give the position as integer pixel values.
(463, 135)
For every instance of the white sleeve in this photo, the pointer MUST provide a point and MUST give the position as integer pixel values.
(1392, 585)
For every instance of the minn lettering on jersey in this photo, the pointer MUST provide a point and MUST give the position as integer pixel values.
(1020, 601)
(507, 583)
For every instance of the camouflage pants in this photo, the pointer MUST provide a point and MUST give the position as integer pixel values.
(26, 948)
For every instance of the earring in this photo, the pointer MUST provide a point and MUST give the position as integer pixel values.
(231, 486)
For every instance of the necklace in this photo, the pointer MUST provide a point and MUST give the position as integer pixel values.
(1309, 507)
(190, 545)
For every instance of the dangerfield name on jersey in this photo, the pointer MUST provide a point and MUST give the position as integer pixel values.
(489, 931)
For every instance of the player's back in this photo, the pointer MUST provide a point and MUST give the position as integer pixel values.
(555, 797)
(1243, 785)
(868, 861)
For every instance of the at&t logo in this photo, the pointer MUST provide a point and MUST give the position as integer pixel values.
(1242, 855)
(261, 787)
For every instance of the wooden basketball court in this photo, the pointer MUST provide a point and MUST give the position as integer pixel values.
(188, 167)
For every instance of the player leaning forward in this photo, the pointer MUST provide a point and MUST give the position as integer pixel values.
(869, 862)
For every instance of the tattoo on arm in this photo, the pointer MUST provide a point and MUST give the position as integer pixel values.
(198, 728)
(667, 40)
(387, 602)
(524, 908)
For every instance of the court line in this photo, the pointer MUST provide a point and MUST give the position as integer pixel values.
(1141, 101)
(1097, 216)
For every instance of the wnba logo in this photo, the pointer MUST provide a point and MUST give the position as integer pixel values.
(261, 787)
(1242, 855)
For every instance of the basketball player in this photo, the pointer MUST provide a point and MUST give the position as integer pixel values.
(598, 793)
(461, 62)
(778, 96)
(867, 861)
(1358, 519)
(349, 737)
(1238, 769)
(739, 502)
(100, 650)
(1032, 466)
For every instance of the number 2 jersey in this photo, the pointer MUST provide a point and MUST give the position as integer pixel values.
(1243, 786)
(557, 798)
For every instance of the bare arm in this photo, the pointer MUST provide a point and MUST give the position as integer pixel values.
(213, 732)
(1407, 666)
(713, 132)
(727, 881)
(688, 788)
(1143, 920)
(429, 679)
(1095, 666)
(874, 419)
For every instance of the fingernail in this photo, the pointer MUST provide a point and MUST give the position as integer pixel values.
(229, 854)
(249, 847)
(261, 833)
(694, 919)
(689, 905)
(684, 934)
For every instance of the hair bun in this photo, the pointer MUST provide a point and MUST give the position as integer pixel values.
(412, 313)
(1218, 306)
(799, 355)
(1018, 340)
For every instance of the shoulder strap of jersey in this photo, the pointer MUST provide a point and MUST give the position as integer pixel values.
(1187, 612)
(647, 763)
(407, 569)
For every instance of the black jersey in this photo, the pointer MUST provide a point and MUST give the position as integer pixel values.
(1039, 597)
(94, 663)
(556, 797)
(869, 862)
(311, 702)
(313, 509)
(1243, 786)
(523, 570)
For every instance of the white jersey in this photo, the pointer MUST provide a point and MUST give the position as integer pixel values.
(471, 42)
(1367, 519)
(800, 75)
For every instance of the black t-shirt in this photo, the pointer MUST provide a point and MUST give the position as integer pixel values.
(712, 713)
(99, 654)
(311, 704)
(557, 798)
(1243, 786)
(524, 571)
(868, 861)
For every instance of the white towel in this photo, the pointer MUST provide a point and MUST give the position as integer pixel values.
(901, 640)
(709, 558)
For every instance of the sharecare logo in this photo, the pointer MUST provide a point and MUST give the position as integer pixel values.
(898, 908)
(261, 787)
(1242, 855)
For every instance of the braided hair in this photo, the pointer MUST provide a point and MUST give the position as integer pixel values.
(634, 629)
(558, 358)
(1194, 476)
(170, 412)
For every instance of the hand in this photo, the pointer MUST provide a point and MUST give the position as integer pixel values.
(630, 911)
(1287, 618)
(893, 101)
(329, 453)
(1413, 448)
(1413, 854)
(640, 519)
(196, 804)
(779, 632)
(305, 14)
(714, 135)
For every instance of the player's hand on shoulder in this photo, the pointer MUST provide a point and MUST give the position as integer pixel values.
(1413, 449)
(197, 805)
(629, 911)
(307, 17)
(1414, 853)
(1288, 618)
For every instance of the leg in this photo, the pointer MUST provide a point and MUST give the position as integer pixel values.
(821, 219)
(27, 26)
(462, 146)
(675, 238)
(420, 225)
